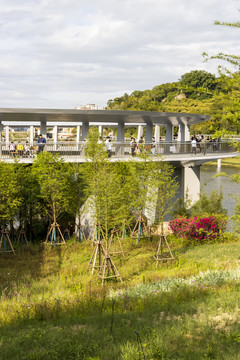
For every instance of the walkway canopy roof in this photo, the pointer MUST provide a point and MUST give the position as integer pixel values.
(10, 116)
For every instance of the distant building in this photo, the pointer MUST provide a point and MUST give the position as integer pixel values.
(86, 107)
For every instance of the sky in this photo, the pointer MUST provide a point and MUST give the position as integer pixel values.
(62, 53)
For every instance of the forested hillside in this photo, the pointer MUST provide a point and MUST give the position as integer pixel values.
(197, 92)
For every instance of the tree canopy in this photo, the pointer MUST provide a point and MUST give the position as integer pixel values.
(197, 92)
(52, 175)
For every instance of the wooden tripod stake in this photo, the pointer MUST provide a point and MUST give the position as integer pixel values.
(4, 240)
(140, 228)
(22, 237)
(96, 258)
(115, 245)
(102, 261)
(109, 270)
(160, 255)
(54, 229)
(80, 233)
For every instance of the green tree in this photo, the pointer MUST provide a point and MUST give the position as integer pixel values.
(154, 189)
(52, 175)
(199, 79)
(229, 58)
(226, 104)
(77, 184)
(165, 97)
(28, 192)
(103, 186)
(127, 189)
(142, 174)
(208, 204)
(10, 199)
(236, 216)
(166, 187)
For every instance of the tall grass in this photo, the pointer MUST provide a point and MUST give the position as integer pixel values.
(51, 308)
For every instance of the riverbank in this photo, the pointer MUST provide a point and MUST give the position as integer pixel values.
(233, 162)
(51, 307)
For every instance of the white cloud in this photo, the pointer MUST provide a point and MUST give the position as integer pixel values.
(57, 52)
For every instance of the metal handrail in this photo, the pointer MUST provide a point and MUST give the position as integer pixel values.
(118, 149)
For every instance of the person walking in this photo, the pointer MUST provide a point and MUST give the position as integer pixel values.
(194, 146)
(109, 148)
(203, 146)
(12, 149)
(133, 146)
(41, 143)
(27, 149)
(153, 147)
(20, 149)
(141, 144)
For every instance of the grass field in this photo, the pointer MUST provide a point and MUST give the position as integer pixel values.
(51, 307)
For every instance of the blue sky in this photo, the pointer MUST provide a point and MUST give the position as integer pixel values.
(61, 53)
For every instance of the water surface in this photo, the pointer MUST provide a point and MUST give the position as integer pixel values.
(229, 188)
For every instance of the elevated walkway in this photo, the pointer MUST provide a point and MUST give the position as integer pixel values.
(178, 154)
(187, 165)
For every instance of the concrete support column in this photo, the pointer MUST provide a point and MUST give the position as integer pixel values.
(150, 209)
(85, 129)
(43, 128)
(55, 137)
(120, 139)
(192, 183)
(181, 133)
(181, 138)
(7, 135)
(100, 130)
(187, 132)
(189, 183)
(169, 133)
(140, 132)
(179, 176)
(31, 134)
(78, 137)
(219, 163)
(149, 133)
(157, 133)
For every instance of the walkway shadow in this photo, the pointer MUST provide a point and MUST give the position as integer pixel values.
(29, 263)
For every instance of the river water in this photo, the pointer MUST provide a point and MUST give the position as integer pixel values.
(228, 188)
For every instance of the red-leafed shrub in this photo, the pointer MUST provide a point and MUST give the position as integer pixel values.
(200, 229)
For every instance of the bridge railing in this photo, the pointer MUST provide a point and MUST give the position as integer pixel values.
(73, 149)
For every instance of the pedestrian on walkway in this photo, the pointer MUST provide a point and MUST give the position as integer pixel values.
(194, 145)
(41, 143)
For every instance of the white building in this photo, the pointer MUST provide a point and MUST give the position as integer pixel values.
(86, 107)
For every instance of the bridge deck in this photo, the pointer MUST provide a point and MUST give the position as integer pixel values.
(179, 154)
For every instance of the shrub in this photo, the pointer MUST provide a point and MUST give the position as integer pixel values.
(199, 229)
